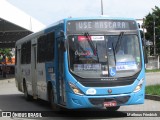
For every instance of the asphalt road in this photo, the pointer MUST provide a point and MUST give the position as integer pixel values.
(12, 100)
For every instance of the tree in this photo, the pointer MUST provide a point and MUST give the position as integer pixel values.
(3, 54)
(149, 24)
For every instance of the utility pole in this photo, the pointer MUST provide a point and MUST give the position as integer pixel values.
(144, 37)
(154, 35)
(101, 7)
(30, 23)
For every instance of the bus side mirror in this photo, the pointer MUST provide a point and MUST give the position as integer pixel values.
(144, 47)
(144, 51)
(142, 34)
(145, 56)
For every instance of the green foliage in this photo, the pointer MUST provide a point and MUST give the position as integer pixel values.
(6, 52)
(154, 70)
(149, 24)
(153, 89)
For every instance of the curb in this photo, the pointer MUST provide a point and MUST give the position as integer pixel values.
(152, 97)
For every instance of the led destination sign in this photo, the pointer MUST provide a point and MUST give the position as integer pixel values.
(100, 25)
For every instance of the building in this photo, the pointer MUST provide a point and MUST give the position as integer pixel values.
(14, 25)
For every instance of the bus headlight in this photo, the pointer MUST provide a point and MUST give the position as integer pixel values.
(75, 89)
(139, 86)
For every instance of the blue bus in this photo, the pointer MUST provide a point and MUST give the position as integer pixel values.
(83, 63)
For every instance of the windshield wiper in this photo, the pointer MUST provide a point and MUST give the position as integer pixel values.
(90, 42)
(114, 54)
(119, 41)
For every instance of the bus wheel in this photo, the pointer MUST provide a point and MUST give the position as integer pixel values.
(112, 108)
(51, 100)
(26, 95)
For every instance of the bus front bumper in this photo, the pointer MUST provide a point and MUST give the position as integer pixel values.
(77, 101)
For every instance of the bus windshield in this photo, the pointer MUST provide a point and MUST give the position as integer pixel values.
(95, 56)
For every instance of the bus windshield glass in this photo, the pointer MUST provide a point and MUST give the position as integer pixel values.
(95, 56)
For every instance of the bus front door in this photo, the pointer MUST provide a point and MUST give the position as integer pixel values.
(61, 84)
(18, 70)
(34, 70)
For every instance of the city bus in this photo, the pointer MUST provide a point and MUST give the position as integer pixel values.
(75, 63)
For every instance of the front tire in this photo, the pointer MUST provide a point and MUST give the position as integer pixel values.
(54, 107)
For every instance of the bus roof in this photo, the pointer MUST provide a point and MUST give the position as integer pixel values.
(33, 35)
(99, 17)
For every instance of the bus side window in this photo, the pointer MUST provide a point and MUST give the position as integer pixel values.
(46, 48)
(41, 53)
(26, 53)
(50, 46)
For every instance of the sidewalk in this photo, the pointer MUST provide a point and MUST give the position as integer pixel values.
(152, 78)
(7, 80)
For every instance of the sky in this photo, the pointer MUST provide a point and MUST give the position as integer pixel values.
(50, 11)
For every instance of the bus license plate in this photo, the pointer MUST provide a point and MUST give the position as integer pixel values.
(110, 104)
